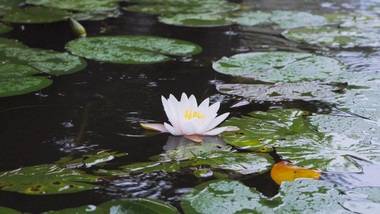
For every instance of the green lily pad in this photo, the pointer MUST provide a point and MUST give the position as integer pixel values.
(354, 20)
(5, 28)
(293, 19)
(196, 20)
(133, 205)
(177, 2)
(46, 61)
(131, 49)
(83, 5)
(279, 66)
(261, 129)
(37, 15)
(9, 210)
(300, 196)
(171, 9)
(9, 6)
(334, 37)
(15, 70)
(208, 156)
(281, 91)
(12, 86)
(57, 178)
(250, 18)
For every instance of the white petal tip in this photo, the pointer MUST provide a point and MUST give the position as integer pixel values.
(154, 126)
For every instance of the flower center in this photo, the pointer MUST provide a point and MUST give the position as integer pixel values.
(196, 114)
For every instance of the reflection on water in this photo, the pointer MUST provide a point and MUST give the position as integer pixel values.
(179, 141)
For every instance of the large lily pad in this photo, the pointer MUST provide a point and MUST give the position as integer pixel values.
(279, 66)
(37, 15)
(56, 178)
(83, 5)
(5, 28)
(281, 91)
(300, 196)
(133, 205)
(292, 19)
(334, 37)
(131, 49)
(46, 61)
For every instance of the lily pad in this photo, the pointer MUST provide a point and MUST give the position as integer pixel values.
(9, 6)
(172, 2)
(250, 18)
(171, 9)
(56, 178)
(131, 49)
(300, 196)
(5, 28)
(281, 91)
(208, 156)
(12, 86)
(279, 66)
(334, 37)
(9, 210)
(354, 21)
(133, 205)
(196, 20)
(37, 15)
(293, 19)
(46, 61)
(83, 5)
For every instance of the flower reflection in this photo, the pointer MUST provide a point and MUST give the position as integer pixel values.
(189, 119)
(175, 142)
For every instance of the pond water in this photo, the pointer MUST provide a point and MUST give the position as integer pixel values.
(100, 107)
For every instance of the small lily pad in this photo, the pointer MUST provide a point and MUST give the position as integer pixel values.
(281, 91)
(46, 61)
(280, 66)
(5, 28)
(37, 15)
(334, 37)
(196, 20)
(294, 19)
(132, 205)
(83, 5)
(12, 86)
(131, 49)
(172, 9)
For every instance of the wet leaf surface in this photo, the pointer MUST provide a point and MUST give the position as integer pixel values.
(37, 15)
(281, 91)
(60, 177)
(279, 66)
(334, 37)
(11, 86)
(131, 49)
(5, 28)
(9, 6)
(47, 61)
(83, 5)
(196, 20)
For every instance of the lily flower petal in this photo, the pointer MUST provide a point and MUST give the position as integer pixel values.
(154, 126)
(216, 131)
(172, 130)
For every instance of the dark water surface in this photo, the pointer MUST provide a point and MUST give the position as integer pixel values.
(109, 100)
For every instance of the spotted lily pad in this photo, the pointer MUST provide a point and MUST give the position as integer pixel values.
(37, 15)
(5, 28)
(132, 205)
(280, 66)
(83, 5)
(357, 21)
(281, 91)
(131, 49)
(11, 86)
(46, 61)
(56, 178)
(293, 19)
(334, 37)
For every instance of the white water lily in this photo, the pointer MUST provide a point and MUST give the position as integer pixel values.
(189, 119)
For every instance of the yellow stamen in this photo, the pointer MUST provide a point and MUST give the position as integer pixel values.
(190, 114)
